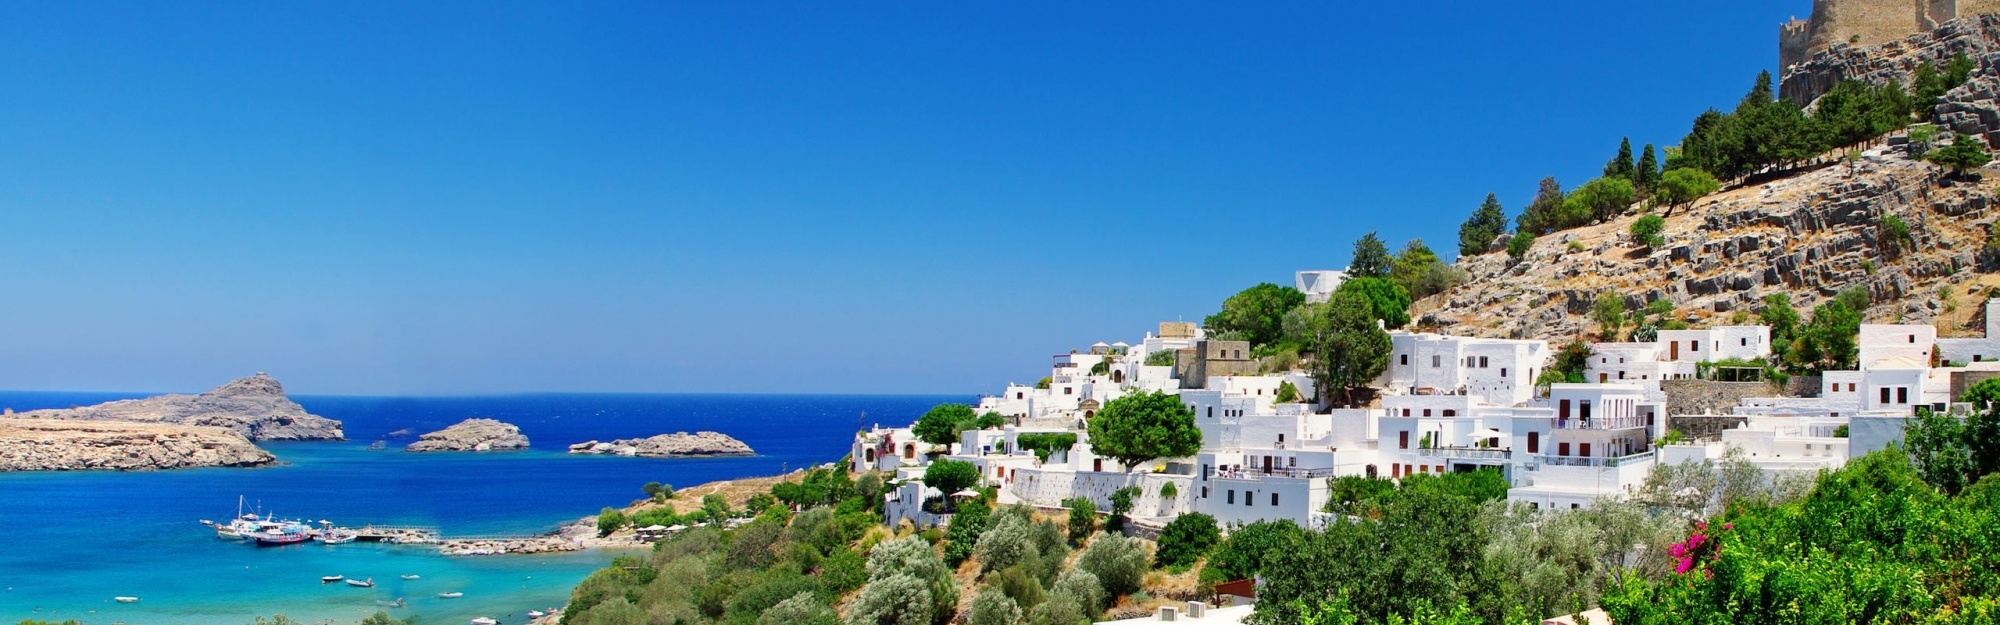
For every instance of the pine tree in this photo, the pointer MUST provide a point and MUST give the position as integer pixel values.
(1371, 258)
(1541, 215)
(1487, 223)
(1760, 94)
(1648, 173)
(1620, 166)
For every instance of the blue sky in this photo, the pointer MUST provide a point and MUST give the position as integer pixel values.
(480, 197)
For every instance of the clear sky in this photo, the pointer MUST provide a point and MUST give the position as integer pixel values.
(479, 197)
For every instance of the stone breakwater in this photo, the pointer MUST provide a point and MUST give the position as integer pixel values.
(501, 546)
(472, 435)
(57, 445)
(678, 444)
(255, 407)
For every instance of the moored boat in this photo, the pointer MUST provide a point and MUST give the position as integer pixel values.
(537, 614)
(328, 579)
(450, 595)
(125, 599)
(362, 583)
(412, 577)
(484, 621)
(337, 537)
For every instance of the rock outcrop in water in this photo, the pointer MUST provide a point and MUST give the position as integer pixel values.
(255, 407)
(68, 445)
(472, 435)
(678, 444)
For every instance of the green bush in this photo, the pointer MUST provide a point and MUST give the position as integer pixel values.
(951, 476)
(1646, 230)
(1519, 244)
(609, 520)
(894, 600)
(963, 534)
(1185, 539)
(1082, 519)
(800, 609)
(1043, 444)
(1169, 491)
(992, 607)
(1118, 561)
(1242, 555)
(1009, 541)
(1020, 584)
(1083, 586)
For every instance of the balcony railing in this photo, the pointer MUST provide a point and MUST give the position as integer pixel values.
(1258, 474)
(1599, 423)
(1591, 461)
(1470, 453)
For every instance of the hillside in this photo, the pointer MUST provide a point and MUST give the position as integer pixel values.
(1809, 233)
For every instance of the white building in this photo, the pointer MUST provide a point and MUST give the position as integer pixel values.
(1318, 284)
(1500, 371)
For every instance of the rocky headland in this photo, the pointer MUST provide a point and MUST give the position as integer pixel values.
(676, 445)
(472, 435)
(255, 407)
(28, 444)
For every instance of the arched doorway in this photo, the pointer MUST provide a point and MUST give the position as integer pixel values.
(1371, 471)
(1118, 377)
(909, 450)
(870, 454)
(1089, 413)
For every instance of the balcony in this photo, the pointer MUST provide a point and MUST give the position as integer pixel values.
(1258, 474)
(1594, 461)
(1466, 453)
(1600, 423)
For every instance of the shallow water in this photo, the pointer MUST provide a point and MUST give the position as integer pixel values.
(69, 542)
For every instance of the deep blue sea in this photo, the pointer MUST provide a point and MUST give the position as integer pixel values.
(69, 542)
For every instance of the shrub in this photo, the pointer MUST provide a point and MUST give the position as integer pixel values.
(1169, 491)
(842, 572)
(800, 609)
(1004, 544)
(1061, 609)
(992, 607)
(716, 507)
(1162, 358)
(1519, 244)
(1243, 554)
(1186, 539)
(1082, 519)
(899, 599)
(963, 533)
(1895, 235)
(1045, 443)
(1575, 246)
(1287, 393)
(1083, 586)
(1118, 561)
(1020, 585)
(1646, 230)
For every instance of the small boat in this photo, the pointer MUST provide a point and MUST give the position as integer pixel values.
(413, 577)
(363, 583)
(125, 599)
(450, 595)
(537, 614)
(328, 579)
(337, 537)
(484, 621)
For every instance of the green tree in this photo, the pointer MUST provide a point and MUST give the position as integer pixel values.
(893, 600)
(1487, 223)
(1597, 200)
(1646, 230)
(1609, 313)
(1542, 215)
(1965, 153)
(1681, 187)
(1936, 442)
(801, 609)
(951, 476)
(1783, 320)
(1121, 505)
(1371, 258)
(992, 607)
(1185, 539)
(1242, 555)
(1519, 244)
(963, 533)
(1258, 312)
(1287, 393)
(1420, 272)
(941, 424)
(1082, 519)
(1648, 174)
(1389, 301)
(1143, 426)
(609, 520)
(715, 506)
(1350, 350)
(1118, 561)
(1982, 428)
(1620, 166)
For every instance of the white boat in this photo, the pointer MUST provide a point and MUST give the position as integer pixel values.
(450, 595)
(328, 579)
(125, 599)
(412, 577)
(484, 621)
(337, 537)
(537, 614)
(363, 583)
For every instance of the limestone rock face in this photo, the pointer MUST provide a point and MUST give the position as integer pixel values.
(68, 445)
(255, 407)
(1809, 236)
(673, 445)
(1971, 108)
(472, 435)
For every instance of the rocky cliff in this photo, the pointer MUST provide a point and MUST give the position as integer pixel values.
(1809, 235)
(668, 445)
(255, 407)
(472, 435)
(65, 445)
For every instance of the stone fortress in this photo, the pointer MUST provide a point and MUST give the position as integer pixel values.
(1867, 23)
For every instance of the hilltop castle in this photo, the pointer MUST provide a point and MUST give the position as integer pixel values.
(1867, 22)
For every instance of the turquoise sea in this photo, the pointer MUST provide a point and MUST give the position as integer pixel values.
(69, 542)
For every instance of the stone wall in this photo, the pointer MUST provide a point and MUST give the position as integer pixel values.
(1867, 23)
(1698, 397)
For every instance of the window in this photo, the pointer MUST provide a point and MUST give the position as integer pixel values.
(1232, 495)
(1249, 498)
(1574, 506)
(1293, 461)
(1745, 341)
(1562, 449)
(1562, 410)
(1436, 361)
(1403, 440)
(1406, 412)
(1067, 390)
(1450, 413)
(1204, 492)
(1913, 338)
(1482, 362)
(1404, 360)
(1583, 449)
(1427, 412)
(1396, 470)
(1902, 394)
(1211, 411)
(1534, 442)
(1583, 409)
(1694, 346)
(1274, 499)
(1885, 394)
(1503, 372)
(1424, 468)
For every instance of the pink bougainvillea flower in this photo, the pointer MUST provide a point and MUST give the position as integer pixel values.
(1677, 550)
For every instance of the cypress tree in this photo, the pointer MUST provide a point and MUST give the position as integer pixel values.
(1487, 223)
(1620, 166)
(1649, 171)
